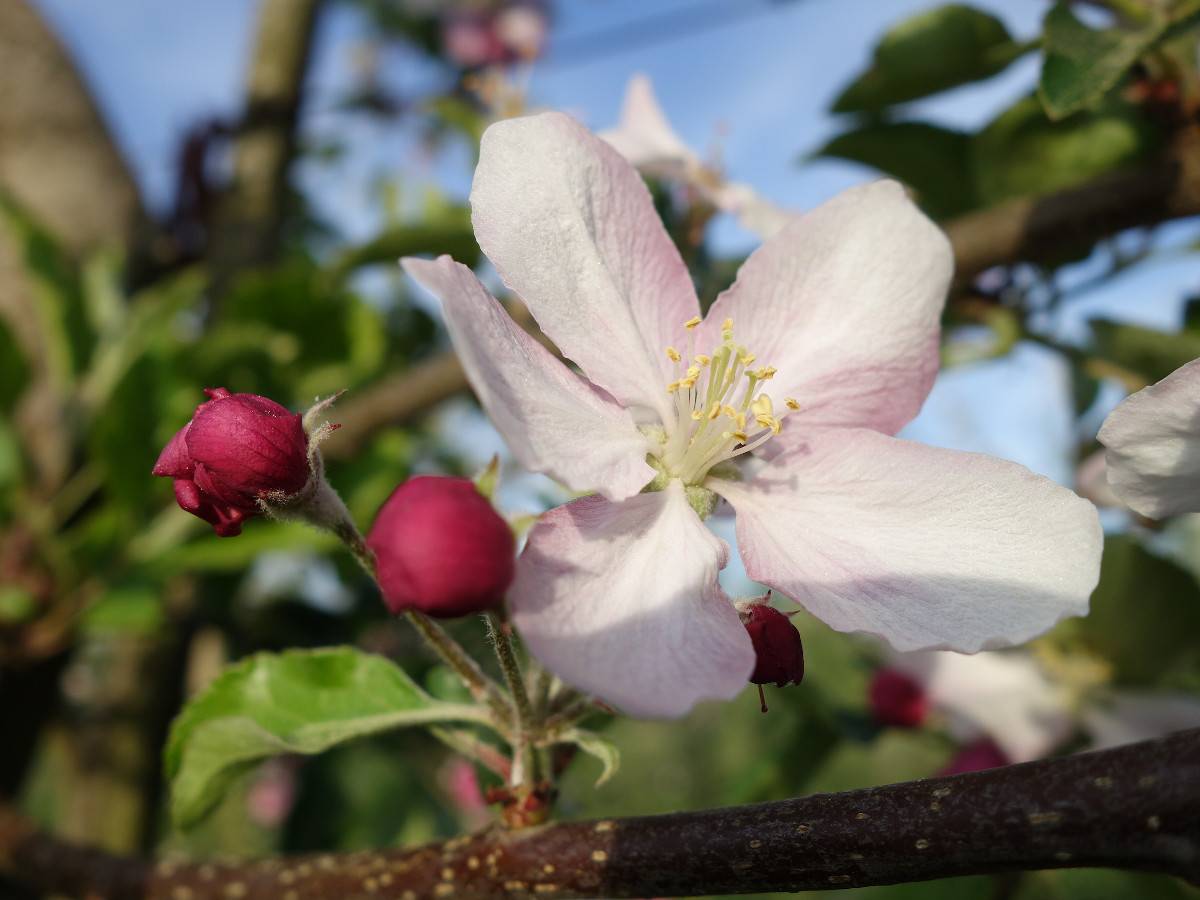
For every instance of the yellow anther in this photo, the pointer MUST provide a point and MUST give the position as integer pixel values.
(747, 358)
(764, 420)
(673, 354)
(791, 404)
(692, 322)
(776, 426)
(741, 420)
(762, 406)
(715, 412)
(697, 415)
(741, 436)
(727, 325)
(766, 373)
(730, 412)
(693, 372)
(672, 387)
(702, 360)
(688, 382)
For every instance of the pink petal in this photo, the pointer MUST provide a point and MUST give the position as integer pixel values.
(1129, 716)
(926, 548)
(554, 421)
(621, 600)
(845, 302)
(174, 460)
(571, 228)
(645, 137)
(1153, 446)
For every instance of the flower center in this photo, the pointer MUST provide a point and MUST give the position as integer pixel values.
(721, 409)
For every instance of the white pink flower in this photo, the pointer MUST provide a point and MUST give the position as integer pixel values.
(645, 137)
(1152, 442)
(838, 315)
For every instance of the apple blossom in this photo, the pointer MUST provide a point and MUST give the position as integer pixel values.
(1004, 698)
(647, 140)
(441, 548)
(1152, 442)
(617, 592)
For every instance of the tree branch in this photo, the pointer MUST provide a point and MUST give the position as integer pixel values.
(1032, 229)
(1132, 807)
(249, 222)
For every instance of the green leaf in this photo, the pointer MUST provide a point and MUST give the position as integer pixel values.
(1144, 615)
(930, 52)
(59, 303)
(16, 605)
(1022, 153)
(453, 236)
(594, 745)
(295, 702)
(933, 161)
(14, 371)
(1083, 64)
(1150, 353)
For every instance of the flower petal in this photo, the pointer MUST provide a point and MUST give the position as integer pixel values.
(621, 600)
(645, 137)
(845, 302)
(1153, 446)
(570, 227)
(554, 421)
(174, 460)
(1005, 696)
(924, 547)
(1131, 716)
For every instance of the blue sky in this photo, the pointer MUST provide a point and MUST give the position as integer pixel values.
(759, 86)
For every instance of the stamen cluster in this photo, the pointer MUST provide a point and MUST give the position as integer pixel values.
(721, 408)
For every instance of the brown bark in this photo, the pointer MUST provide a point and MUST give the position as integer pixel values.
(250, 220)
(1132, 807)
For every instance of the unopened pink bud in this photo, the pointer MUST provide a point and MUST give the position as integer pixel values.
(975, 757)
(777, 647)
(897, 699)
(237, 450)
(441, 549)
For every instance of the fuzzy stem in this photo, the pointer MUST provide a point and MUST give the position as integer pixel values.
(482, 688)
(523, 767)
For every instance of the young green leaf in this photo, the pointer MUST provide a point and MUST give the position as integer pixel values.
(1083, 64)
(594, 745)
(930, 52)
(933, 161)
(295, 702)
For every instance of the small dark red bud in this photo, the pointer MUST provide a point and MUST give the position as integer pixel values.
(441, 549)
(975, 757)
(777, 646)
(897, 699)
(237, 450)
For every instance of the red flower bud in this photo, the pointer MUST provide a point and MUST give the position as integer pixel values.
(237, 450)
(975, 757)
(441, 548)
(777, 646)
(897, 699)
